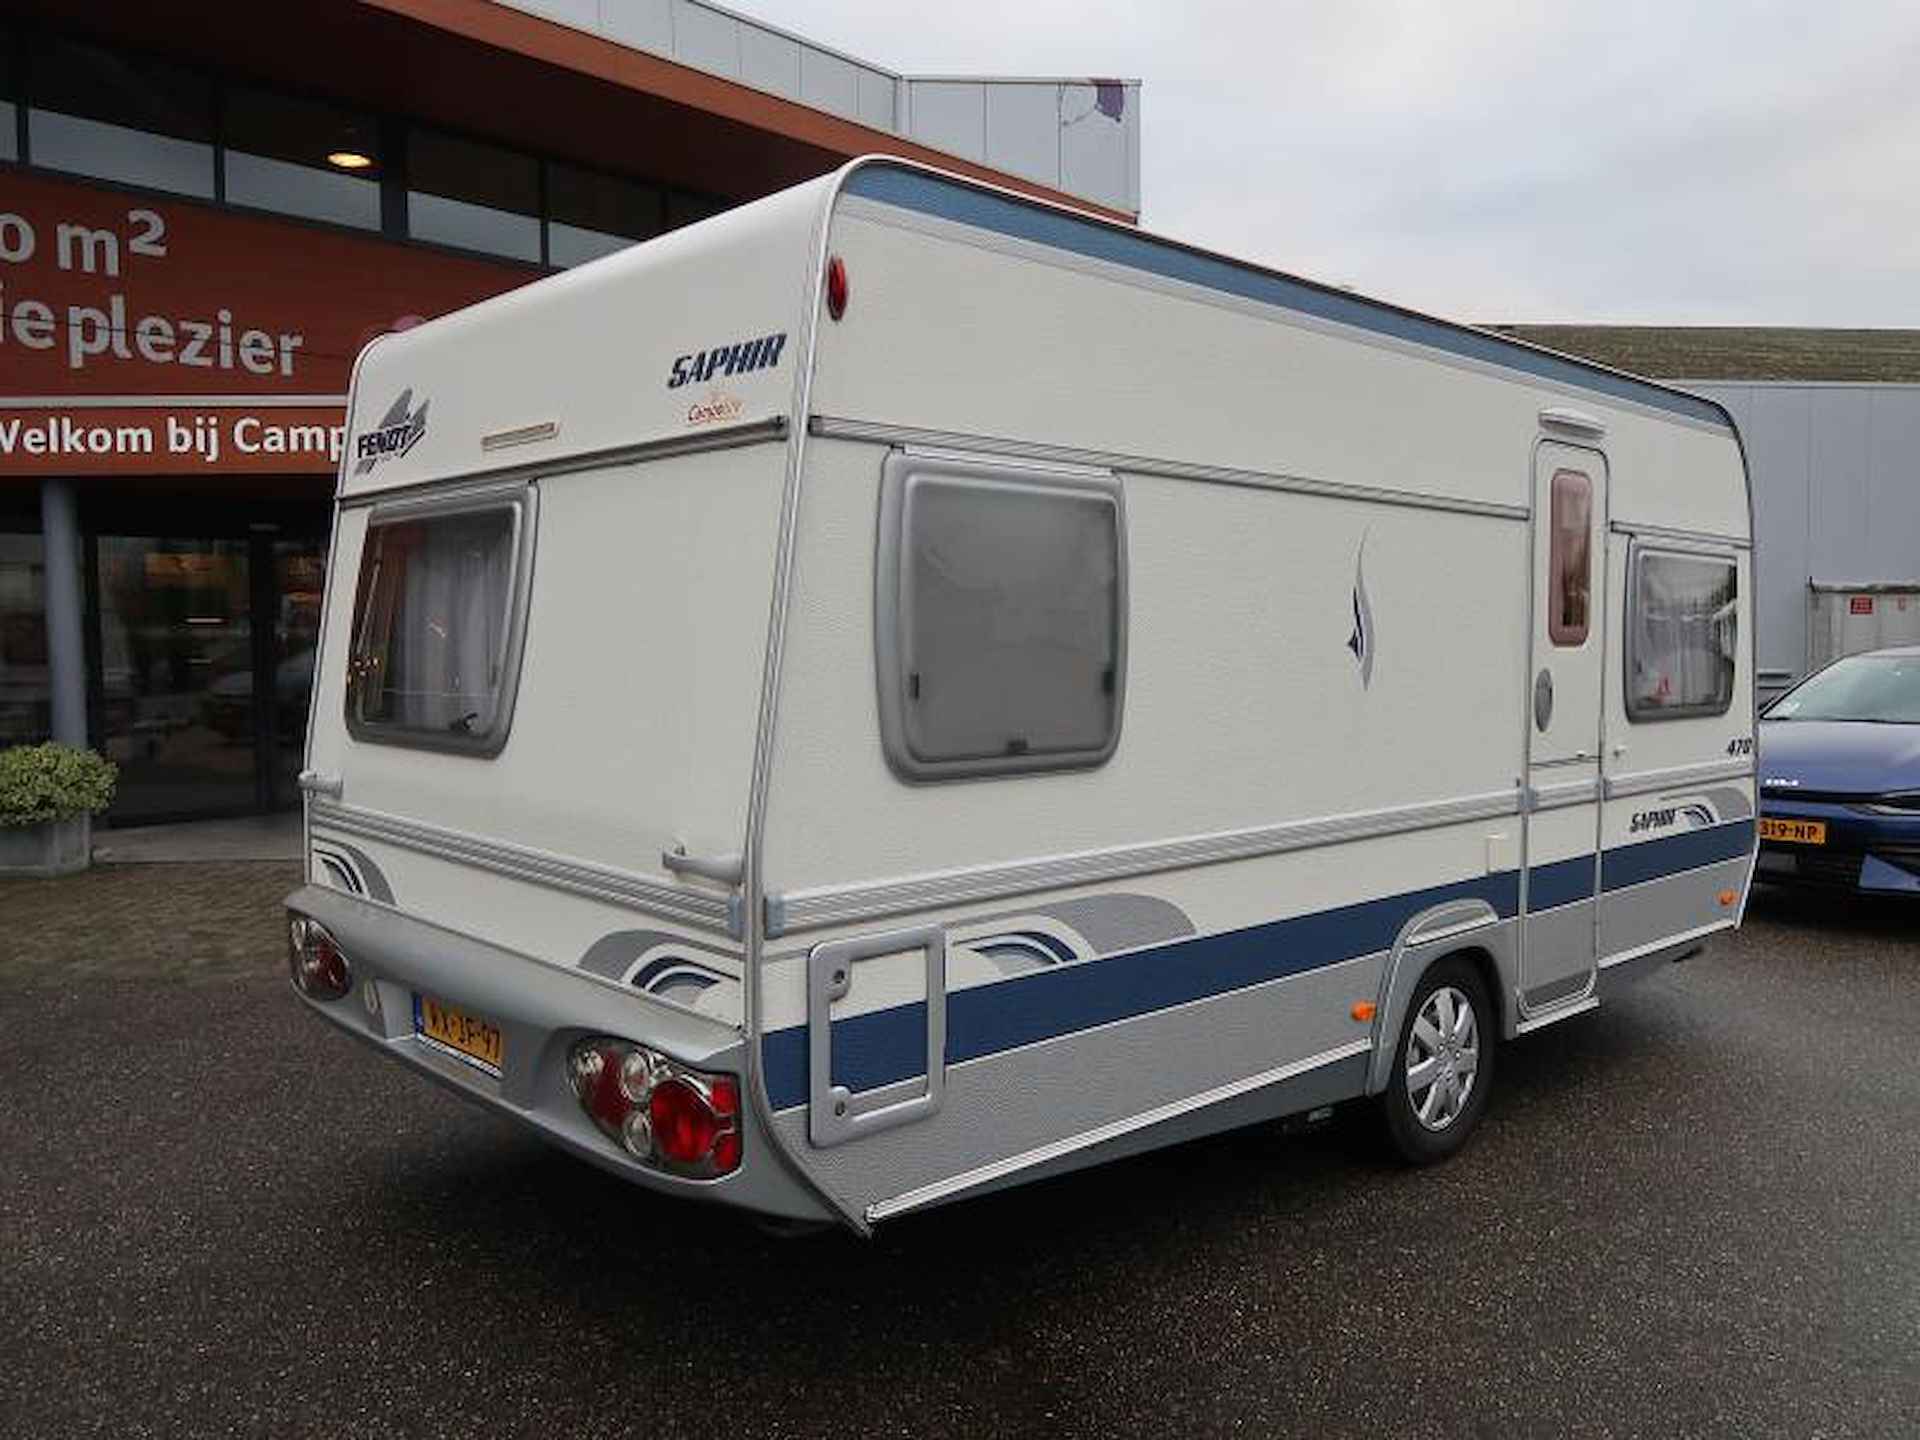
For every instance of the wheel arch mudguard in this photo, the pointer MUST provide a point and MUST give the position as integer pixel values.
(1456, 927)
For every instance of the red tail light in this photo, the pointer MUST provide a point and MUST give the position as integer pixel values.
(315, 961)
(836, 287)
(676, 1118)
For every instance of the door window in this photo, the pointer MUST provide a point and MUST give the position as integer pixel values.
(1570, 560)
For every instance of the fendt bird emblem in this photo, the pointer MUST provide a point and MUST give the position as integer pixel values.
(1361, 641)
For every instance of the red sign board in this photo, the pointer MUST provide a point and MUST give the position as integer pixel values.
(143, 336)
(1860, 605)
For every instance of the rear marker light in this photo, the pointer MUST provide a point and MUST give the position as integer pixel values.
(662, 1113)
(836, 287)
(315, 962)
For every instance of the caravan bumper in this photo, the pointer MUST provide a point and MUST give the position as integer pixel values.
(540, 1011)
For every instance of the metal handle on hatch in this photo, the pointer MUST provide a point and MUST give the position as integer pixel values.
(727, 869)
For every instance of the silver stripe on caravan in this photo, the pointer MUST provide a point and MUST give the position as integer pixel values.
(1564, 793)
(1013, 1164)
(1665, 942)
(702, 909)
(810, 909)
(1648, 780)
(835, 428)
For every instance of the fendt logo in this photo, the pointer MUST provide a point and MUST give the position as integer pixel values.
(735, 359)
(400, 429)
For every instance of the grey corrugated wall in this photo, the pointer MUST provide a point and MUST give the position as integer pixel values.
(1836, 494)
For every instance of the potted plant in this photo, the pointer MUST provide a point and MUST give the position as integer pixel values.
(49, 795)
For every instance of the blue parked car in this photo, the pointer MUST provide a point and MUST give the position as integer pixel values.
(1840, 777)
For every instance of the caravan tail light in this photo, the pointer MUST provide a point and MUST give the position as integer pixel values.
(315, 961)
(836, 287)
(663, 1113)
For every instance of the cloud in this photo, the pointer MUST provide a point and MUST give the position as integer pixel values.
(1722, 161)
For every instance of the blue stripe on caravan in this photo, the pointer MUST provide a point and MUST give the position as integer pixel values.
(1560, 883)
(1652, 859)
(888, 1045)
(1116, 245)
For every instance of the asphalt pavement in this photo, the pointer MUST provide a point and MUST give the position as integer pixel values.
(1696, 1212)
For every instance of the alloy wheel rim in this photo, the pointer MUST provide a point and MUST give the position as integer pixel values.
(1443, 1058)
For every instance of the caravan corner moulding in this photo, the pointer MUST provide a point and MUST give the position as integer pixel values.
(1084, 694)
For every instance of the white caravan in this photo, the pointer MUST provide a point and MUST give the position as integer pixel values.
(900, 689)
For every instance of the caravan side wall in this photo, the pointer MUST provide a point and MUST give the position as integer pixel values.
(1230, 927)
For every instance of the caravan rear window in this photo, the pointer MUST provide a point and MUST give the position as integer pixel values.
(1682, 628)
(1001, 607)
(436, 621)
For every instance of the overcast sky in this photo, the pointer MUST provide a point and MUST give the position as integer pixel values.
(1693, 161)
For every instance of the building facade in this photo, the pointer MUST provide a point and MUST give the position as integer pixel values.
(204, 217)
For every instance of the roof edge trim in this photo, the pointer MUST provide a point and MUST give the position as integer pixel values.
(886, 180)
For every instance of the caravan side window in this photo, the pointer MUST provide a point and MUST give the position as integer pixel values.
(1570, 562)
(1682, 628)
(436, 622)
(1001, 611)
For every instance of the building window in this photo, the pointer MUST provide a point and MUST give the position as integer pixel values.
(475, 196)
(25, 699)
(1682, 634)
(436, 620)
(301, 157)
(1570, 558)
(9, 94)
(590, 215)
(1001, 605)
(119, 117)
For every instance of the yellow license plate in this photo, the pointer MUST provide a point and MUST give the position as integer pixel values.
(473, 1038)
(1794, 832)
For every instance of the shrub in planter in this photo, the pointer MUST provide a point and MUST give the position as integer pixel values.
(48, 797)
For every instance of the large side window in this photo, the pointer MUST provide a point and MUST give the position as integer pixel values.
(1001, 618)
(479, 197)
(1570, 559)
(437, 618)
(1682, 632)
(121, 117)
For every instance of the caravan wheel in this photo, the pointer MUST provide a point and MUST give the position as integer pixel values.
(1443, 1067)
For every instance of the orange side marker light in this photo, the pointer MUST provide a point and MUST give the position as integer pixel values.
(1364, 1011)
(1727, 897)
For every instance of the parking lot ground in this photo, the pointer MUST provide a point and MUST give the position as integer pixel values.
(1695, 1212)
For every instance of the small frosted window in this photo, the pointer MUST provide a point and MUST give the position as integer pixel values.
(1006, 612)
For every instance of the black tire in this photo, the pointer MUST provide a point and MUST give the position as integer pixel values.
(1447, 1126)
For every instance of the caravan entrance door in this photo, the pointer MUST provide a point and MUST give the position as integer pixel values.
(1563, 725)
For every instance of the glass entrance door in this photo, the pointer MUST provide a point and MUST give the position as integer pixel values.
(299, 569)
(205, 664)
(176, 669)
